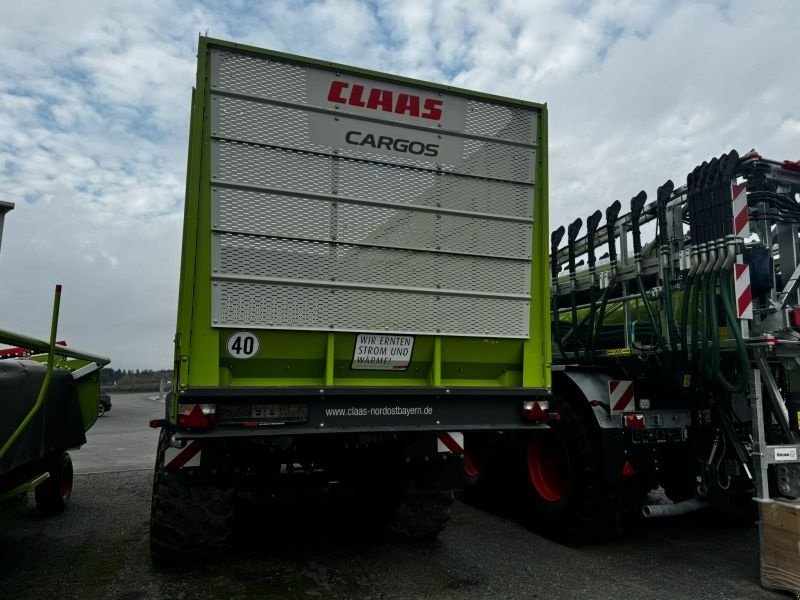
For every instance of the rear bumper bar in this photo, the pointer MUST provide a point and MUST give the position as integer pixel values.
(375, 409)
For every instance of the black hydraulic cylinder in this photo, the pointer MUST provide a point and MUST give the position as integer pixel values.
(637, 205)
(692, 180)
(612, 214)
(663, 195)
(572, 234)
(555, 241)
(707, 202)
(728, 173)
(592, 222)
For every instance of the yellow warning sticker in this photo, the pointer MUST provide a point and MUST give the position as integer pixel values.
(618, 352)
(687, 380)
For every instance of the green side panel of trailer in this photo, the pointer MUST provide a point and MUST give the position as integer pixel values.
(322, 354)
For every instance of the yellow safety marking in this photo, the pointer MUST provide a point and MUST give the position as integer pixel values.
(618, 352)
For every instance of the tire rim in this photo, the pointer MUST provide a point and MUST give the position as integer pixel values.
(548, 465)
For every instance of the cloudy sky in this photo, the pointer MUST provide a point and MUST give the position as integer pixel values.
(94, 109)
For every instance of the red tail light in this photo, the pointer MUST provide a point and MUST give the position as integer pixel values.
(196, 415)
(634, 421)
(535, 410)
(628, 470)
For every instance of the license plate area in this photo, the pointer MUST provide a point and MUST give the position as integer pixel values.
(272, 413)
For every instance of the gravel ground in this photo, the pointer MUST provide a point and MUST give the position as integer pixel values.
(98, 549)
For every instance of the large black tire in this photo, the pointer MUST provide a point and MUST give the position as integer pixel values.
(419, 516)
(560, 480)
(53, 495)
(191, 518)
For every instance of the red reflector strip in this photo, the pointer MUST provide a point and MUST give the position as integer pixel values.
(185, 455)
(196, 418)
(744, 294)
(449, 442)
(627, 469)
(536, 410)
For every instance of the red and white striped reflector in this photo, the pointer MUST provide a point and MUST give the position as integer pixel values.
(620, 396)
(744, 293)
(741, 217)
(450, 441)
(188, 456)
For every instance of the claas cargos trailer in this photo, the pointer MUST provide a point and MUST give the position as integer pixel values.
(48, 400)
(363, 279)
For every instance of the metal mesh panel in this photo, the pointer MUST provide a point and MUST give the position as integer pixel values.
(285, 169)
(261, 305)
(297, 217)
(283, 126)
(260, 76)
(237, 254)
(423, 188)
(498, 120)
(329, 244)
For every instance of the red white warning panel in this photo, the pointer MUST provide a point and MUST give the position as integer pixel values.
(450, 441)
(741, 217)
(620, 396)
(188, 456)
(744, 293)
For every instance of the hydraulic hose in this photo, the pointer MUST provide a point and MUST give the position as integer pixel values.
(714, 318)
(656, 329)
(705, 351)
(598, 325)
(575, 325)
(687, 292)
(695, 322)
(671, 327)
(590, 326)
(741, 349)
(557, 330)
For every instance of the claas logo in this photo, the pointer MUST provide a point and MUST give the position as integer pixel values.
(388, 101)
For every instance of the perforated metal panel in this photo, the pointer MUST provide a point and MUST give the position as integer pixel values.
(243, 304)
(259, 256)
(316, 173)
(262, 123)
(306, 218)
(332, 212)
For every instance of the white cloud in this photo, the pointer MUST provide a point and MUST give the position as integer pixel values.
(94, 108)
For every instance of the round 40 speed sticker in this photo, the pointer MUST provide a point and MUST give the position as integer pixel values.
(243, 344)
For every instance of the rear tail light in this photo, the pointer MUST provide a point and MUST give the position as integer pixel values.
(535, 410)
(197, 415)
(635, 421)
(628, 470)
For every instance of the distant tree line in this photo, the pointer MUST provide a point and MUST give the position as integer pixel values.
(130, 380)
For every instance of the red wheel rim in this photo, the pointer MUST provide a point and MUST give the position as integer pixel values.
(548, 465)
(470, 465)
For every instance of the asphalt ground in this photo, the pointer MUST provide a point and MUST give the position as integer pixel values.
(98, 548)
